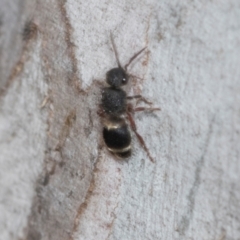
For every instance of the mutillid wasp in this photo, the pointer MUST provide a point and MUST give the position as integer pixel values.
(115, 110)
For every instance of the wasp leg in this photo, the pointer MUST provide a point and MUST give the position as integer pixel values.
(100, 112)
(134, 76)
(140, 109)
(140, 98)
(140, 139)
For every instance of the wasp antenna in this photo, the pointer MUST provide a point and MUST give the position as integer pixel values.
(115, 50)
(133, 57)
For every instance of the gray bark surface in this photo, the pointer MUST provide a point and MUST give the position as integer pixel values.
(57, 179)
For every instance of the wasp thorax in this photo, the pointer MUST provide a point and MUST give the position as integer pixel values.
(114, 101)
(117, 77)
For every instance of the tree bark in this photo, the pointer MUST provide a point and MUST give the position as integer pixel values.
(57, 179)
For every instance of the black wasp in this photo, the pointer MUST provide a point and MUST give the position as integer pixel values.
(115, 110)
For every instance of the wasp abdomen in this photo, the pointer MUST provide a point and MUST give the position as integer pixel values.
(117, 137)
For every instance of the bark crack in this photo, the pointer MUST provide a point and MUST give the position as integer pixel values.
(186, 218)
(83, 206)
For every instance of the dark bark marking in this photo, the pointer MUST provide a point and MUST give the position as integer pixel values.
(29, 32)
(110, 226)
(64, 133)
(73, 77)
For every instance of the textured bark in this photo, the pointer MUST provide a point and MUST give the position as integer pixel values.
(58, 181)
